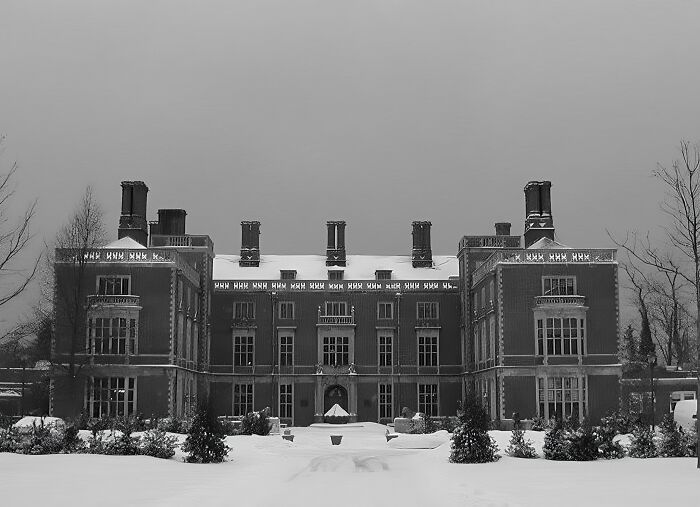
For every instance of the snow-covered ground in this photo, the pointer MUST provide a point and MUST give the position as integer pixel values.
(363, 471)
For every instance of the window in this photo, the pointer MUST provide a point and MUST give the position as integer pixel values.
(491, 292)
(385, 310)
(559, 285)
(561, 397)
(427, 350)
(111, 396)
(288, 274)
(485, 390)
(243, 310)
(111, 335)
(286, 400)
(560, 336)
(677, 396)
(428, 399)
(113, 285)
(385, 352)
(484, 346)
(243, 350)
(386, 401)
(477, 344)
(382, 274)
(427, 310)
(336, 350)
(335, 274)
(286, 350)
(483, 297)
(336, 308)
(242, 399)
(492, 338)
(286, 310)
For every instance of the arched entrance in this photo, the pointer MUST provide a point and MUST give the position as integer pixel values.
(335, 394)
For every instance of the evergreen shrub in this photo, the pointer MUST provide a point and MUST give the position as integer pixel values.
(556, 443)
(539, 424)
(205, 437)
(583, 443)
(158, 444)
(256, 423)
(9, 439)
(519, 447)
(608, 448)
(690, 439)
(642, 444)
(672, 442)
(471, 442)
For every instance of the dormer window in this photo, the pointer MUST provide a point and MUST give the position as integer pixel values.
(382, 274)
(288, 274)
(335, 274)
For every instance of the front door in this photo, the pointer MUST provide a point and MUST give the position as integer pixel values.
(335, 394)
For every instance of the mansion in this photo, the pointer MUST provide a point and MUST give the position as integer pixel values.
(163, 321)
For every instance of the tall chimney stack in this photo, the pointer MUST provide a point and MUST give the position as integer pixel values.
(421, 254)
(335, 248)
(171, 222)
(132, 222)
(503, 229)
(250, 244)
(539, 222)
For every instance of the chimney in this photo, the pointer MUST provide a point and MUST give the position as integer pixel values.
(132, 222)
(250, 244)
(171, 222)
(335, 249)
(502, 228)
(538, 212)
(422, 254)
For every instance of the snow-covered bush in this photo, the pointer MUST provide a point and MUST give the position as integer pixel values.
(9, 439)
(642, 443)
(583, 443)
(690, 440)
(471, 442)
(671, 443)
(230, 428)
(97, 426)
(43, 439)
(620, 421)
(449, 424)
(256, 423)
(539, 424)
(429, 424)
(71, 441)
(123, 444)
(173, 425)
(518, 447)
(158, 444)
(556, 443)
(205, 438)
(608, 448)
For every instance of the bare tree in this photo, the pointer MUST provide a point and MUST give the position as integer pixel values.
(682, 205)
(15, 237)
(68, 263)
(661, 293)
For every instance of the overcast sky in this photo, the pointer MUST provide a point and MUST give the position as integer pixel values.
(377, 112)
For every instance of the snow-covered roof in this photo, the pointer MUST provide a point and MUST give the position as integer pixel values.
(126, 243)
(313, 267)
(548, 244)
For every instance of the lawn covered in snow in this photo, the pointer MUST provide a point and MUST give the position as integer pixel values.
(364, 470)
